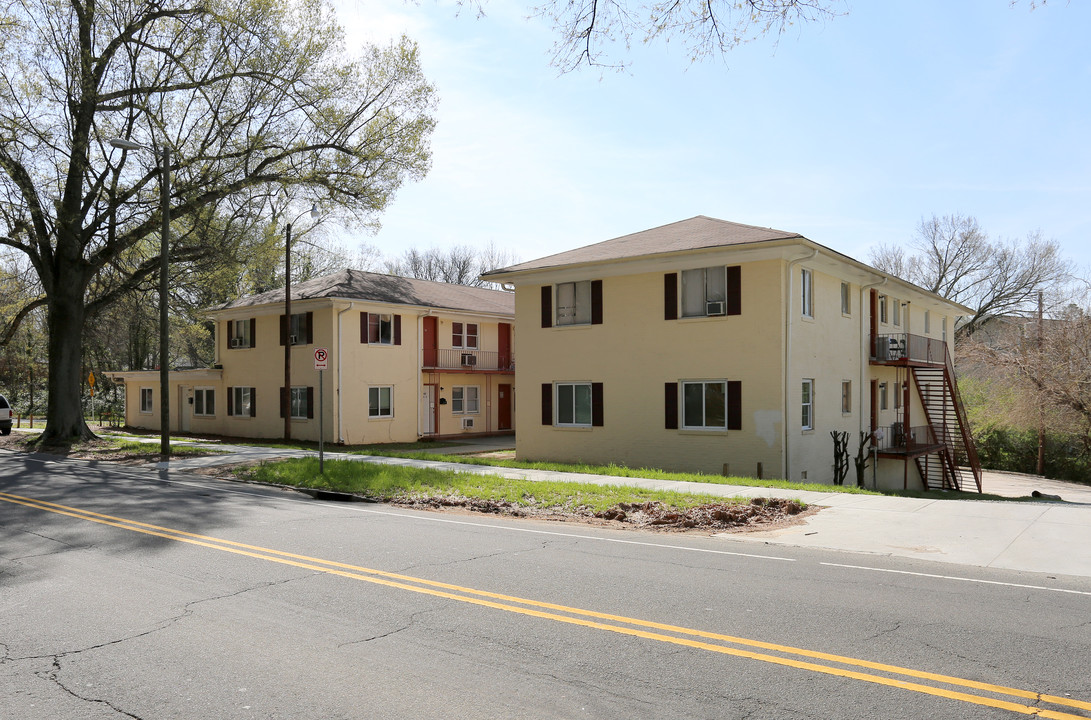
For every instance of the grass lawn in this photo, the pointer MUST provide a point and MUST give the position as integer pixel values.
(399, 483)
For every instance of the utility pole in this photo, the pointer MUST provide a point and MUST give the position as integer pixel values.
(1041, 411)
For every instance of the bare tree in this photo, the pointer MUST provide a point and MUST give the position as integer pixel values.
(248, 96)
(953, 257)
(461, 264)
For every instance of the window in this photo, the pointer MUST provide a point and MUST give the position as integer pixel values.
(896, 310)
(704, 405)
(927, 322)
(146, 401)
(204, 402)
(298, 401)
(380, 329)
(808, 404)
(574, 404)
(882, 308)
(240, 402)
(464, 335)
(882, 396)
(240, 333)
(298, 329)
(846, 301)
(379, 402)
(807, 292)
(574, 303)
(944, 326)
(704, 292)
(464, 399)
(846, 396)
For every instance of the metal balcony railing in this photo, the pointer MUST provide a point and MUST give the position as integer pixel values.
(897, 438)
(892, 347)
(468, 360)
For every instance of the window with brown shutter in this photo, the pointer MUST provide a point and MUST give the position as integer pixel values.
(734, 405)
(734, 290)
(670, 296)
(596, 302)
(670, 406)
(547, 403)
(547, 306)
(596, 404)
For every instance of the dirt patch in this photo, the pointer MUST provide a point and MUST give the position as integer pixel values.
(85, 450)
(758, 514)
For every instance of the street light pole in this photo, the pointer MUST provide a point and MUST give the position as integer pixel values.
(164, 265)
(287, 399)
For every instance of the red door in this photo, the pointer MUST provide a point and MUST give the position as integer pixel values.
(503, 345)
(503, 410)
(430, 339)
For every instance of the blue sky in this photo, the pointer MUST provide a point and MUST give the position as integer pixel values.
(847, 132)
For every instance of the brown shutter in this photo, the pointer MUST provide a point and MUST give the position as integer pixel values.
(547, 403)
(310, 402)
(734, 405)
(596, 302)
(363, 327)
(734, 290)
(397, 329)
(670, 405)
(253, 402)
(670, 297)
(253, 332)
(310, 327)
(283, 401)
(283, 329)
(547, 306)
(230, 401)
(596, 404)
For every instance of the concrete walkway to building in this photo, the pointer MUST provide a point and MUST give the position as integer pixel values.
(1045, 535)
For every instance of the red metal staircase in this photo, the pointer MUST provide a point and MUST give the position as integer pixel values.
(957, 463)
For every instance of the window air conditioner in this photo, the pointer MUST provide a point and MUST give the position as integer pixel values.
(714, 308)
(467, 423)
(469, 359)
(236, 342)
(293, 339)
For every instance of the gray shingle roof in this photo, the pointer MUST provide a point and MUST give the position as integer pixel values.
(360, 285)
(694, 234)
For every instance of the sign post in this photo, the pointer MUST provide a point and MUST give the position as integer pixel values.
(321, 362)
(91, 382)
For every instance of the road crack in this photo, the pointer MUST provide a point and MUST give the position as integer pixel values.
(52, 677)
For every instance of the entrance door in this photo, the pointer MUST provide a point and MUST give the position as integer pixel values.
(185, 407)
(430, 341)
(503, 409)
(428, 410)
(503, 342)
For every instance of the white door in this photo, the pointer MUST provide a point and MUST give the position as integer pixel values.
(185, 407)
(428, 410)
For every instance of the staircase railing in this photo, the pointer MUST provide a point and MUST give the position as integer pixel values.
(963, 423)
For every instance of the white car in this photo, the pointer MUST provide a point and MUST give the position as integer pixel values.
(5, 416)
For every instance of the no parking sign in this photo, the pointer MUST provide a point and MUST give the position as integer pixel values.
(321, 359)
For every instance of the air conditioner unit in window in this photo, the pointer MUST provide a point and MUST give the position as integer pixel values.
(467, 423)
(714, 308)
(236, 342)
(293, 339)
(469, 359)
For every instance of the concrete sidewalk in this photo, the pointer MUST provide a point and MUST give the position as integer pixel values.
(1043, 536)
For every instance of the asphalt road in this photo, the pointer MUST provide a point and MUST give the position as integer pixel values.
(125, 596)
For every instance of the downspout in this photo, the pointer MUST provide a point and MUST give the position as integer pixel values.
(340, 364)
(420, 365)
(788, 315)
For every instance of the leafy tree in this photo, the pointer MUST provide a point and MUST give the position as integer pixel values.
(953, 257)
(248, 95)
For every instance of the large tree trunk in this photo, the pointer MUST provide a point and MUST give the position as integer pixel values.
(64, 412)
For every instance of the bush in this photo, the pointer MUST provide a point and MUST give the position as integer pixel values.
(1017, 451)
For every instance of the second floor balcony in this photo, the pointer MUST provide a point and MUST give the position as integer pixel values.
(907, 349)
(468, 360)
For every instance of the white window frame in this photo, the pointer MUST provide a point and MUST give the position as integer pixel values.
(944, 319)
(202, 398)
(883, 404)
(882, 309)
(375, 402)
(241, 398)
(579, 311)
(239, 330)
(846, 397)
(385, 320)
(709, 283)
(927, 322)
(806, 292)
(704, 394)
(297, 402)
(846, 299)
(578, 391)
(896, 312)
(466, 399)
(147, 400)
(462, 338)
(807, 404)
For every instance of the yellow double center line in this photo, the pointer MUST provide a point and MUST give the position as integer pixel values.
(845, 667)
